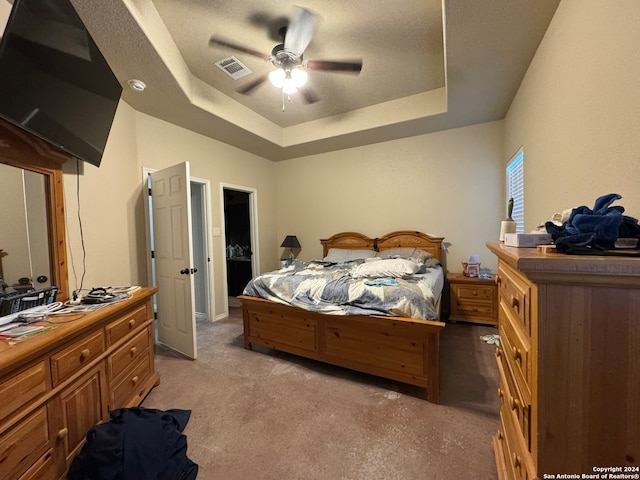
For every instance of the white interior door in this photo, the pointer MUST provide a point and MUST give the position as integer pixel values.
(170, 191)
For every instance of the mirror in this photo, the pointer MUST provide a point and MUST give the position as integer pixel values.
(35, 168)
(24, 261)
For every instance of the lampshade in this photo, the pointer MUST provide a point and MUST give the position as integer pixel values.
(290, 241)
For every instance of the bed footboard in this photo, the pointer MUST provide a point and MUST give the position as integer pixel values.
(397, 348)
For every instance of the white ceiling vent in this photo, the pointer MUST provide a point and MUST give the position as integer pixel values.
(233, 67)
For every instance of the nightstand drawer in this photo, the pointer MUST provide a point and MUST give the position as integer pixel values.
(474, 292)
(476, 309)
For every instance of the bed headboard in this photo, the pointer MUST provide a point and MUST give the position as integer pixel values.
(400, 238)
(350, 240)
(410, 238)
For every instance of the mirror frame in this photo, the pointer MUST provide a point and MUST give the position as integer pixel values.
(21, 149)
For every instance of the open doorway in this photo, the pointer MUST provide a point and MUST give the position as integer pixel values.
(201, 257)
(238, 207)
(198, 198)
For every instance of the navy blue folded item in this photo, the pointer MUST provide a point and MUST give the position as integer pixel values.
(595, 230)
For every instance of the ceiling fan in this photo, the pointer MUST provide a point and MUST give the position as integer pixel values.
(290, 67)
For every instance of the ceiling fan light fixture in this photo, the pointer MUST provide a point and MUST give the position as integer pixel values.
(277, 78)
(288, 80)
(289, 87)
(299, 77)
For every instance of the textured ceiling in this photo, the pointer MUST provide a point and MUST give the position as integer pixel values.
(428, 65)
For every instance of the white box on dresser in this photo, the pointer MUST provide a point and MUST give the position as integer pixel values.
(569, 363)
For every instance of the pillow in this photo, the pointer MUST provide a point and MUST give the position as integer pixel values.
(339, 255)
(389, 267)
(411, 252)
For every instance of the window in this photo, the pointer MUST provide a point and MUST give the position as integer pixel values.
(515, 188)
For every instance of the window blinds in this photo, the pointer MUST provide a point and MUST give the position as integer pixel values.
(515, 188)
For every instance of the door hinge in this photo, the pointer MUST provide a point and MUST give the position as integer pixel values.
(149, 191)
(153, 254)
(155, 315)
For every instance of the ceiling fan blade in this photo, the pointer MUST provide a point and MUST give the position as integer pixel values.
(354, 66)
(308, 94)
(300, 31)
(225, 43)
(251, 86)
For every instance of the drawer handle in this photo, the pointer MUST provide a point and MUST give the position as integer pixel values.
(84, 354)
(515, 302)
(133, 351)
(500, 393)
(474, 293)
(515, 404)
(498, 279)
(516, 460)
(132, 323)
(517, 354)
(134, 380)
(63, 433)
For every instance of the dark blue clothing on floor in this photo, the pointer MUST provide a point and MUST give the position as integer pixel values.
(136, 444)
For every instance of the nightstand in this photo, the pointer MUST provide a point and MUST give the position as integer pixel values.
(472, 299)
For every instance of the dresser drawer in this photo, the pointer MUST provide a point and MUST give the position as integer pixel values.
(74, 357)
(127, 355)
(515, 296)
(43, 469)
(517, 353)
(512, 400)
(500, 451)
(519, 462)
(132, 384)
(21, 446)
(127, 323)
(22, 388)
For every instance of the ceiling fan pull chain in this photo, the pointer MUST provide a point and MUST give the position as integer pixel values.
(282, 100)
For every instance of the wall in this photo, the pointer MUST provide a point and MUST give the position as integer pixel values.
(161, 144)
(109, 212)
(112, 198)
(447, 184)
(577, 111)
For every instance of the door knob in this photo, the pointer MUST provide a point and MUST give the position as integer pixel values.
(184, 271)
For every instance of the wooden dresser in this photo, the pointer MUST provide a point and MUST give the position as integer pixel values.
(569, 364)
(472, 299)
(56, 385)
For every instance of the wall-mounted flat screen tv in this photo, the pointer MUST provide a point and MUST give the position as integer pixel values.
(54, 82)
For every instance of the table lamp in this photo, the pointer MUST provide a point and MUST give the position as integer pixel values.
(290, 242)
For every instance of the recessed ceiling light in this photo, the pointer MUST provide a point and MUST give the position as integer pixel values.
(137, 85)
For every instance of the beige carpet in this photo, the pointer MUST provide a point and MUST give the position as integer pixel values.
(268, 415)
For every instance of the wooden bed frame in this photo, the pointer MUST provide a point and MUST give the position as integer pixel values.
(397, 348)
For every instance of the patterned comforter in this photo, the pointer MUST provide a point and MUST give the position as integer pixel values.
(329, 288)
